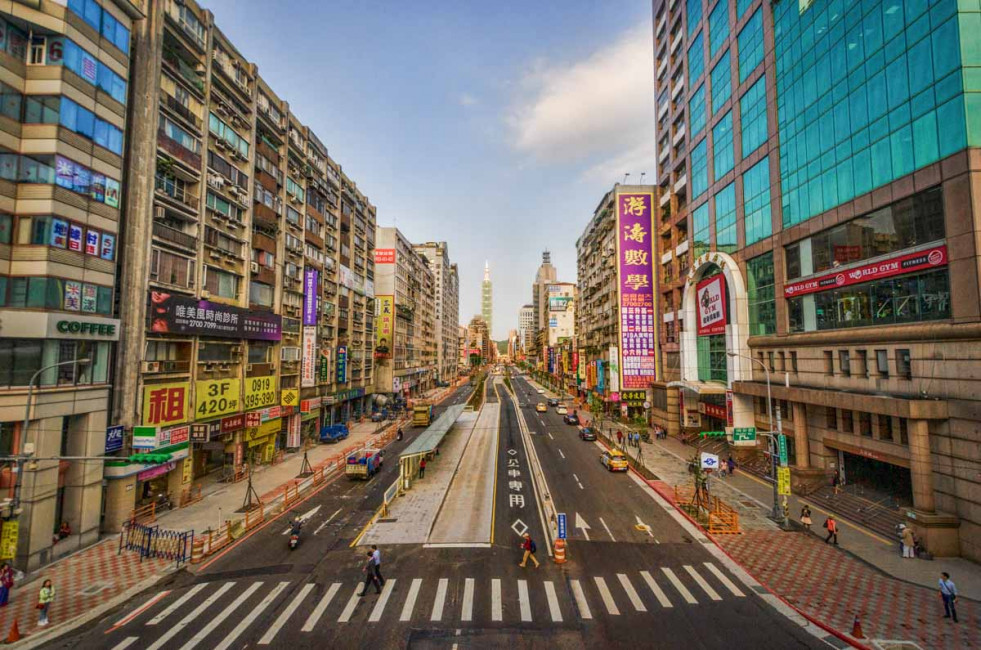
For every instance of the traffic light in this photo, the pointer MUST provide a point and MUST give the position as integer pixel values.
(149, 459)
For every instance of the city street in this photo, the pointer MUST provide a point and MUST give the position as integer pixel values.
(632, 569)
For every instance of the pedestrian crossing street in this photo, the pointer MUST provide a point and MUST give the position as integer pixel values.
(235, 607)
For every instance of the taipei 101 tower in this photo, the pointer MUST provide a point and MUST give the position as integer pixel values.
(487, 300)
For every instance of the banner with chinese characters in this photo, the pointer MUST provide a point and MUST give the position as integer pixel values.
(310, 288)
(308, 372)
(635, 278)
(384, 326)
(614, 369)
(341, 374)
(172, 314)
(165, 404)
(710, 302)
(384, 256)
(214, 397)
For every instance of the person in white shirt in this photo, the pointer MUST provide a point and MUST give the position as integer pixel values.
(376, 559)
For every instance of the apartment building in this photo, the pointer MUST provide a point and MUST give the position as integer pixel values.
(247, 298)
(831, 153)
(447, 307)
(545, 274)
(526, 328)
(479, 346)
(65, 71)
(405, 332)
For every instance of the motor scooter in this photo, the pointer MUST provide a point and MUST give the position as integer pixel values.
(294, 537)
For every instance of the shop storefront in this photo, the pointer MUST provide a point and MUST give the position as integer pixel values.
(260, 442)
(310, 420)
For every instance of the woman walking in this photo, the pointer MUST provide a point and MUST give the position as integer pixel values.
(6, 583)
(805, 517)
(44, 600)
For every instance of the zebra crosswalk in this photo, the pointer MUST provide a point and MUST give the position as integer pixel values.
(228, 612)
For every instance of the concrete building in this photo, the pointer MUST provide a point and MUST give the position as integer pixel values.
(65, 72)
(406, 323)
(539, 298)
(487, 299)
(479, 342)
(447, 305)
(832, 241)
(463, 352)
(247, 262)
(526, 328)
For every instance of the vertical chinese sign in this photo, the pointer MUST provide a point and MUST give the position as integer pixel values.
(384, 326)
(635, 277)
(308, 371)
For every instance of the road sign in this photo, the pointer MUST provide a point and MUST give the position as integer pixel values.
(744, 436)
(783, 480)
(709, 461)
(782, 449)
(562, 525)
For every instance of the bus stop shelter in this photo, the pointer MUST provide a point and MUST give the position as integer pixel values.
(426, 443)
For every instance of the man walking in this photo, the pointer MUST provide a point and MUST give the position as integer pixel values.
(529, 548)
(369, 576)
(832, 527)
(376, 557)
(422, 468)
(620, 438)
(730, 465)
(948, 591)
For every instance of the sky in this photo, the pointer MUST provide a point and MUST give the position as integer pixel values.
(496, 127)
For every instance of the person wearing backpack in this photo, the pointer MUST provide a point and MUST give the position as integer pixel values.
(530, 549)
(832, 527)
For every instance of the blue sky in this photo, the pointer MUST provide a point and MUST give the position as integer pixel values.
(494, 126)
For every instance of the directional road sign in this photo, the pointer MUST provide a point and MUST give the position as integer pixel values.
(562, 525)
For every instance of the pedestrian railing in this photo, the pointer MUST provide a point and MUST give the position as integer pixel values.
(191, 495)
(151, 541)
(144, 514)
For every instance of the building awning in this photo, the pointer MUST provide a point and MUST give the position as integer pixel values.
(428, 440)
(700, 387)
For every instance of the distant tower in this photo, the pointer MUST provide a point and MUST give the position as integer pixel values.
(487, 299)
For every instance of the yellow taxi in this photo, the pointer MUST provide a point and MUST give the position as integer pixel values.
(541, 408)
(614, 460)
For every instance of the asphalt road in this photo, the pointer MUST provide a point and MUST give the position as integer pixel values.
(623, 587)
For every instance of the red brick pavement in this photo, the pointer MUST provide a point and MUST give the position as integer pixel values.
(833, 587)
(97, 568)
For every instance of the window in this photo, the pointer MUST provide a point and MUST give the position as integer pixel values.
(829, 364)
(696, 60)
(222, 241)
(694, 15)
(228, 134)
(882, 362)
(223, 207)
(229, 171)
(699, 169)
(221, 283)
(39, 45)
(760, 291)
(831, 418)
(865, 424)
(722, 146)
(752, 106)
(742, 6)
(725, 219)
(295, 189)
(903, 431)
(756, 202)
(750, 43)
(721, 83)
(793, 361)
(11, 100)
(844, 362)
(179, 135)
(847, 422)
(259, 351)
(21, 358)
(88, 68)
(39, 109)
(770, 361)
(782, 361)
(885, 427)
(169, 268)
(55, 169)
(260, 294)
(696, 111)
(216, 353)
(904, 367)
(292, 216)
(863, 363)
(56, 294)
(700, 223)
(718, 27)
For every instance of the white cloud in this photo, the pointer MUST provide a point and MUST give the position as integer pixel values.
(466, 99)
(598, 112)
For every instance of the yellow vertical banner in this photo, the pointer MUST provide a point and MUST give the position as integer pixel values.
(8, 539)
(783, 480)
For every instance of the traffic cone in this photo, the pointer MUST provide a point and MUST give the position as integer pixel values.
(857, 629)
(14, 635)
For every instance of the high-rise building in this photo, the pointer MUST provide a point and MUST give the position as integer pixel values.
(65, 75)
(817, 237)
(447, 304)
(479, 341)
(539, 301)
(526, 328)
(487, 299)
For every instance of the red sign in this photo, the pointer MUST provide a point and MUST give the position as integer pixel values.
(305, 406)
(711, 305)
(384, 256)
(253, 419)
(729, 408)
(930, 258)
(713, 410)
(179, 435)
(233, 423)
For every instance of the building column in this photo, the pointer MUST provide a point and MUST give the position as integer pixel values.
(921, 466)
(803, 451)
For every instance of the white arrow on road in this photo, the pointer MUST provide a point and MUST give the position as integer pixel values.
(329, 519)
(582, 525)
(303, 518)
(644, 527)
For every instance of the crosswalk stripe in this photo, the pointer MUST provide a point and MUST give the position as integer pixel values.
(285, 615)
(658, 593)
(611, 605)
(553, 602)
(139, 610)
(724, 580)
(437, 614)
(706, 587)
(410, 600)
(580, 600)
(184, 622)
(125, 643)
(680, 587)
(496, 610)
(318, 611)
(631, 593)
(466, 613)
(376, 613)
(177, 604)
(525, 604)
(253, 615)
(352, 602)
(225, 613)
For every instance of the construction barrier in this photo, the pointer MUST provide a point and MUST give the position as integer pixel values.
(718, 516)
(151, 541)
(560, 551)
(191, 495)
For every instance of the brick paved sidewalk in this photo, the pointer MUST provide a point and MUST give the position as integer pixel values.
(833, 587)
(82, 581)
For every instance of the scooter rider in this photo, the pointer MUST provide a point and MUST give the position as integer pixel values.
(399, 436)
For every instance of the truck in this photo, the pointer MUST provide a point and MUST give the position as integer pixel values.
(364, 464)
(422, 415)
(333, 432)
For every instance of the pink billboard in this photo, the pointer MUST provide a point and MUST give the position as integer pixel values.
(635, 276)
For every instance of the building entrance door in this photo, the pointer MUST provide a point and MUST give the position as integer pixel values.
(876, 480)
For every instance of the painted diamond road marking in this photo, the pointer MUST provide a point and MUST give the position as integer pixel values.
(518, 524)
(513, 452)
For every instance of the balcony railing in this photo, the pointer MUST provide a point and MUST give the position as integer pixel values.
(176, 192)
(175, 236)
(184, 69)
(178, 108)
(179, 151)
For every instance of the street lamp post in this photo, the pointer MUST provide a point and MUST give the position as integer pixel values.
(776, 513)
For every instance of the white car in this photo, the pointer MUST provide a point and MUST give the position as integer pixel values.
(561, 409)
(541, 391)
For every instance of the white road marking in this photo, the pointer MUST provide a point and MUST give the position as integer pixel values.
(680, 587)
(497, 613)
(177, 604)
(218, 620)
(285, 616)
(523, 602)
(410, 600)
(125, 643)
(611, 605)
(466, 613)
(643, 526)
(701, 583)
(304, 517)
(577, 482)
(352, 602)
(252, 616)
(658, 593)
(583, 526)
(607, 529)
(561, 454)
(553, 602)
(386, 593)
(187, 620)
(440, 600)
(580, 597)
(136, 612)
(318, 611)
(724, 580)
(550, 435)
(631, 593)
(329, 519)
